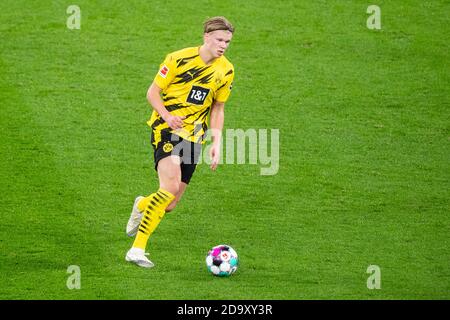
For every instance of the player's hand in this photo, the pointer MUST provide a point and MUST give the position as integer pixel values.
(214, 155)
(174, 122)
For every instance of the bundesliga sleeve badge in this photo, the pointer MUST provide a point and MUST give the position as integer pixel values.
(163, 72)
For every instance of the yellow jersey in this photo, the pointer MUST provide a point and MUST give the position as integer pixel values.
(189, 87)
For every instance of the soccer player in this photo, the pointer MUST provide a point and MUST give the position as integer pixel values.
(191, 84)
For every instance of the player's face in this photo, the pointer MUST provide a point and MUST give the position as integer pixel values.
(217, 42)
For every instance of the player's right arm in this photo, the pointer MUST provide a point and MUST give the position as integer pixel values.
(163, 78)
(155, 100)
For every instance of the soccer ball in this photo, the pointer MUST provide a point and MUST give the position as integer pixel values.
(222, 260)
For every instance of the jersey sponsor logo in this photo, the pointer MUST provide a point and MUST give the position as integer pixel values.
(197, 95)
(163, 72)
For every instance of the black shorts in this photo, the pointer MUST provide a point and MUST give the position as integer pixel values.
(174, 145)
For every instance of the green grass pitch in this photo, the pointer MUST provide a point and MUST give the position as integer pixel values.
(364, 164)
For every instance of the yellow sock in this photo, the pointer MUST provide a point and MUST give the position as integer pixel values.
(154, 211)
(143, 203)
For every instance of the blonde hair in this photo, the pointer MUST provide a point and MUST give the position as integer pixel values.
(217, 23)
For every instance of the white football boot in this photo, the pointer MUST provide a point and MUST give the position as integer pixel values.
(138, 256)
(135, 218)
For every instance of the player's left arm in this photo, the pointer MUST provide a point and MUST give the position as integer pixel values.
(217, 116)
(216, 120)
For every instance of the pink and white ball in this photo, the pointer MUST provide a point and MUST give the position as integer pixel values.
(222, 260)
